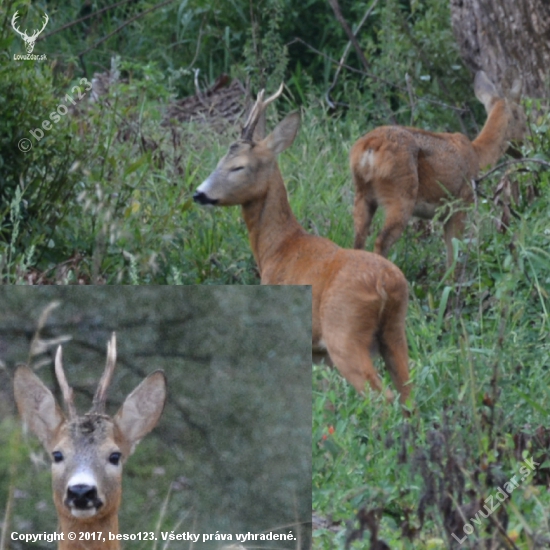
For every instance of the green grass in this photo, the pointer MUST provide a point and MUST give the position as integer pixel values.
(480, 363)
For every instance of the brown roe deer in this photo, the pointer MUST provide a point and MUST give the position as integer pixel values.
(88, 451)
(359, 298)
(411, 172)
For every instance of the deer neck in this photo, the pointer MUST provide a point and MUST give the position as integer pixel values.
(490, 144)
(105, 525)
(270, 220)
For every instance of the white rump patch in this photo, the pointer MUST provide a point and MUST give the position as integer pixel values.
(367, 160)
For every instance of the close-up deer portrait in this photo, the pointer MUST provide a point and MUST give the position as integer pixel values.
(88, 451)
(182, 442)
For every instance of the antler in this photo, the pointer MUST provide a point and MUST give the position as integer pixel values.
(24, 35)
(66, 390)
(98, 405)
(35, 33)
(46, 19)
(256, 111)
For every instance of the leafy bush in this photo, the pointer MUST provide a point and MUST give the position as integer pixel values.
(37, 184)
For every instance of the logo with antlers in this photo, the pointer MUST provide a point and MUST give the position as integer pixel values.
(29, 40)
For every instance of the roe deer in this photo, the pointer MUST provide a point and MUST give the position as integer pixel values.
(410, 172)
(88, 451)
(359, 298)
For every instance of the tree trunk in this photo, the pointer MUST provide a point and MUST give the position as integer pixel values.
(493, 34)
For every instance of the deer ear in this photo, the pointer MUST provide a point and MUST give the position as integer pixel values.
(484, 89)
(37, 406)
(141, 410)
(284, 133)
(512, 83)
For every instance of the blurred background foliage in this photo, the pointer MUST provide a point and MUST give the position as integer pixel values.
(232, 451)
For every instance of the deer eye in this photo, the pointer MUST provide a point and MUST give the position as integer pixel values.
(237, 168)
(57, 456)
(114, 458)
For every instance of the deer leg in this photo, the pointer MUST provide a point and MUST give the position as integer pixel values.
(397, 194)
(454, 228)
(349, 335)
(398, 214)
(394, 351)
(364, 207)
(363, 212)
(356, 366)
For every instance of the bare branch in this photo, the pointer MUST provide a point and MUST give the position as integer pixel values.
(120, 27)
(510, 162)
(375, 77)
(338, 13)
(346, 51)
(40, 345)
(76, 21)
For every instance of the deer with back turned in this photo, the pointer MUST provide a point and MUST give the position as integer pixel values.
(359, 298)
(411, 172)
(88, 451)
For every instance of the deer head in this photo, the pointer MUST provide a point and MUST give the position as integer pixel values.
(243, 174)
(513, 118)
(29, 40)
(88, 451)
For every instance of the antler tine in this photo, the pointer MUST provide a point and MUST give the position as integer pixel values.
(66, 390)
(275, 96)
(36, 32)
(13, 19)
(253, 117)
(98, 405)
(256, 111)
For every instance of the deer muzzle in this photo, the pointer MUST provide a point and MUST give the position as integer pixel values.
(202, 198)
(82, 497)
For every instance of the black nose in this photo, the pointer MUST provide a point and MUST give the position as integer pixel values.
(202, 198)
(82, 496)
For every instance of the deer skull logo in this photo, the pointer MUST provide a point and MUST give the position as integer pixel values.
(29, 40)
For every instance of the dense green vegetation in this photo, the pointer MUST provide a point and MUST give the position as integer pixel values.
(105, 197)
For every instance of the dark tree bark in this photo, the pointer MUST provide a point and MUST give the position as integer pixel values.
(494, 34)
